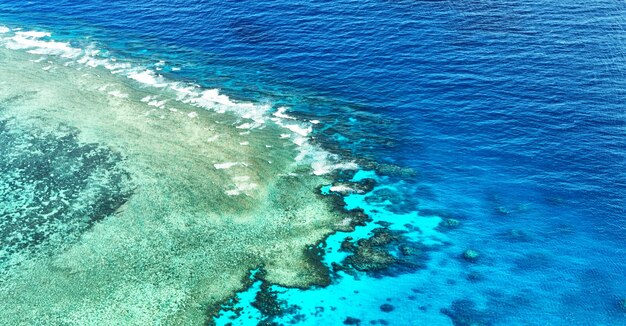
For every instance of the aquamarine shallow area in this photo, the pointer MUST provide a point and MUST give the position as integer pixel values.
(511, 114)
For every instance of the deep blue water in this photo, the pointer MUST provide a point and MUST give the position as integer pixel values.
(512, 114)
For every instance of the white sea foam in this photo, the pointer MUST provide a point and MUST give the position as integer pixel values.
(341, 188)
(33, 34)
(246, 125)
(211, 99)
(147, 77)
(258, 115)
(300, 141)
(158, 104)
(299, 129)
(228, 165)
(31, 42)
(325, 167)
(280, 113)
(118, 94)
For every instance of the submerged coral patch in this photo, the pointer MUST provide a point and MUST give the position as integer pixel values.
(53, 186)
(386, 252)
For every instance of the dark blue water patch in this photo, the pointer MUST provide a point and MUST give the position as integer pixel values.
(511, 114)
(53, 186)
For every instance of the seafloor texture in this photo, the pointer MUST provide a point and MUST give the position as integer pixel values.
(490, 139)
(122, 211)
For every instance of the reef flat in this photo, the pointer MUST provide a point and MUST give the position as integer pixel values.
(125, 202)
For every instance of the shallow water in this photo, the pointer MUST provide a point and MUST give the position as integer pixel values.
(502, 123)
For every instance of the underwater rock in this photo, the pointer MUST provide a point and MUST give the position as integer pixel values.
(386, 252)
(474, 277)
(621, 304)
(450, 223)
(267, 302)
(395, 170)
(408, 250)
(516, 235)
(464, 313)
(347, 244)
(386, 307)
(555, 200)
(313, 255)
(54, 185)
(352, 321)
(382, 237)
(337, 267)
(367, 184)
(471, 255)
(250, 31)
(368, 259)
(501, 210)
(357, 217)
(394, 200)
(532, 261)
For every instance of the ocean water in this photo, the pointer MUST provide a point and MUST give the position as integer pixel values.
(490, 138)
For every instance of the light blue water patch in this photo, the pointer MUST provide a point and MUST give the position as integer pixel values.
(356, 294)
(510, 112)
(239, 310)
(325, 190)
(361, 175)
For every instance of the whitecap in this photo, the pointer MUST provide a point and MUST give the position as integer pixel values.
(118, 94)
(30, 41)
(33, 34)
(280, 113)
(158, 104)
(246, 125)
(147, 77)
(228, 165)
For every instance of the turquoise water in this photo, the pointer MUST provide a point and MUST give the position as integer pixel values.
(497, 127)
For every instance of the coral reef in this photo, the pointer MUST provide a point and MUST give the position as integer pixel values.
(386, 252)
(470, 255)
